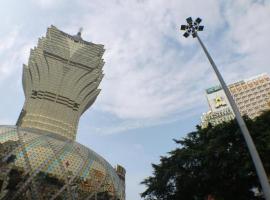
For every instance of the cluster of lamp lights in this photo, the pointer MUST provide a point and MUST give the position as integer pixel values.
(192, 28)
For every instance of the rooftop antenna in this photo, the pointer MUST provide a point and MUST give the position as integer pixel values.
(80, 31)
(78, 36)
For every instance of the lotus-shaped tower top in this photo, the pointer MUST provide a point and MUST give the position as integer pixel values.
(60, 82)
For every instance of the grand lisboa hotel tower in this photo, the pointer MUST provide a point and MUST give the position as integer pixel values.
(39, 157)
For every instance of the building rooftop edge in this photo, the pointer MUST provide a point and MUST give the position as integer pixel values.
(218, 87)
(73, 37)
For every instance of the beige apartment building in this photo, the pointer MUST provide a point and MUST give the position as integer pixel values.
(252, 97)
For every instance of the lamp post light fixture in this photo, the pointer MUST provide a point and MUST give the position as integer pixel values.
(192, 28)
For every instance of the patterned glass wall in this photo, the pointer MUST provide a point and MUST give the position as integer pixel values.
(44, 165)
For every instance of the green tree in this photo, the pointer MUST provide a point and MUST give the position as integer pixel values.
(212, 161)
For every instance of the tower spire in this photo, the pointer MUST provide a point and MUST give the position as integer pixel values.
(78, 36)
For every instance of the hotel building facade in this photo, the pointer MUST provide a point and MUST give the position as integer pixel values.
(252, 97)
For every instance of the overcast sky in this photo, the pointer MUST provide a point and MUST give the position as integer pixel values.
(153, 89)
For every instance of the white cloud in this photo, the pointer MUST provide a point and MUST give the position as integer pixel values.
(9, 40)
(12, 52)
(145, 77)
(8, 53)
(47, 4)
(152, 73)
(6, 121)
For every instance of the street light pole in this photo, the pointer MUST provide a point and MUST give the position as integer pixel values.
(193, 28)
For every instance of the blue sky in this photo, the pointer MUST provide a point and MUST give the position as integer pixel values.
(153, 89)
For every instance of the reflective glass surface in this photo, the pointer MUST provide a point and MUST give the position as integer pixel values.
(40, 165)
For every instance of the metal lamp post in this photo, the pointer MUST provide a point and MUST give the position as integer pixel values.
(192, 28)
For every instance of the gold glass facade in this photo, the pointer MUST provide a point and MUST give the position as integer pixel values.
(39, 158)
(60, 82)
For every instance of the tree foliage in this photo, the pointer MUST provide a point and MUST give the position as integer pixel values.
(212, 161)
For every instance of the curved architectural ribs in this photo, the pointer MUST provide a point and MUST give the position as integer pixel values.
(60, 82)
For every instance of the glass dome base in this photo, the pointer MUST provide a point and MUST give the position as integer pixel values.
(40, 165)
